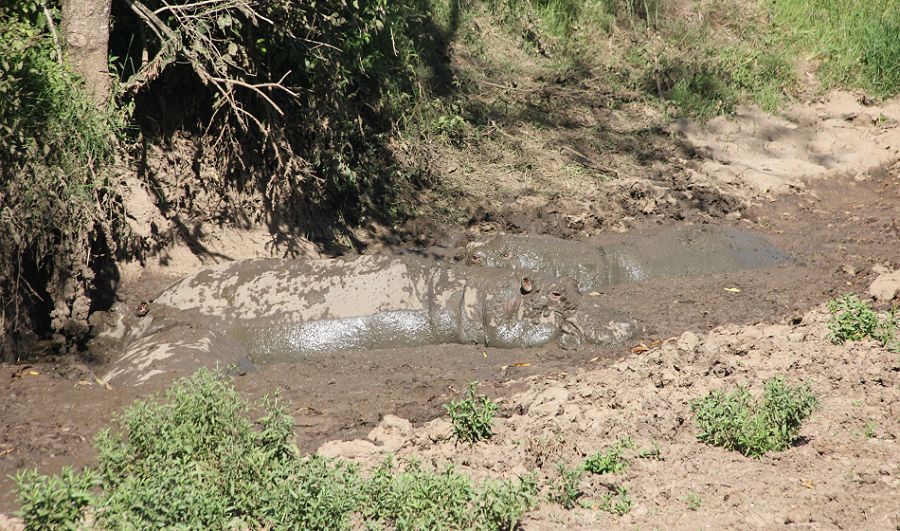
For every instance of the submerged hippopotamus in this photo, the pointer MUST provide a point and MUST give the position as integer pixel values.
(280, 310)
(690, 251)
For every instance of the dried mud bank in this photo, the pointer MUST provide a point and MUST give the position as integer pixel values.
(843, 471)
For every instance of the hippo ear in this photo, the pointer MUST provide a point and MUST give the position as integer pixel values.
(527, 286)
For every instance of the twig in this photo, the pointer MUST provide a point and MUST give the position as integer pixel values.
(52, 26)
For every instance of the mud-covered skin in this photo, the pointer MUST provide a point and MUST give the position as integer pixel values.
(281, 309)
(690, 251)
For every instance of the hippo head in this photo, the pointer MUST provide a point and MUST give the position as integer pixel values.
(530, 311)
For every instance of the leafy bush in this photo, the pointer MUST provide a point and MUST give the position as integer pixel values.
(416, 499)
(853, 320)
(196, 460)
(472, 417)
(738, 421)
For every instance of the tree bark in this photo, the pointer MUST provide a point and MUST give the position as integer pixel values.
(85, 31)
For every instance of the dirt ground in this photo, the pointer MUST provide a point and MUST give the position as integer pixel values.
(839, 218)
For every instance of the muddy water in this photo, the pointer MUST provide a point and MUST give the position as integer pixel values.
(683, 252)
(534, 292)
(692, 251)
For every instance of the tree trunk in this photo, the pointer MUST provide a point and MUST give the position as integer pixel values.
(85, 31)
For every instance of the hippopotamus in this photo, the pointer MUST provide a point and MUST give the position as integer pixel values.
(689, 251)
(281, 310)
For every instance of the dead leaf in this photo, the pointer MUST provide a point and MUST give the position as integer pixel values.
(521, 365)
(639, 349)
(104, 384)
(733, 290)
(9, 450)
(32, 373)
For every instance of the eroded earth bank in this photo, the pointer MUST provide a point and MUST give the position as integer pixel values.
(822, 183)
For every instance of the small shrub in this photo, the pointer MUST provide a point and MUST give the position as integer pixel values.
(618, 503)
(609, 462)
(693, 501)
(55, 502)
(472, 417)
(853, 320)
(566, 488)
(869, 429)
(653, 452)
(738, 421)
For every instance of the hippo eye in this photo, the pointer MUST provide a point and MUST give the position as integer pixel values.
(476, 257)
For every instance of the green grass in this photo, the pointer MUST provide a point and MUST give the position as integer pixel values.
(197, 459)
(472, 417)
(856, 43)
(739, 421)
(853, 320)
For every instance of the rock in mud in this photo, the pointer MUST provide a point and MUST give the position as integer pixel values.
(886, 287)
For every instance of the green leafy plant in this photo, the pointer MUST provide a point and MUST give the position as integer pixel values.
(618, 503)
(609, 462)
(654, 452)
(565, 489)
(55, 502)
(738, 421)
(413, 498)
(472, 417)
(693, 500)
(869, 429)
(853, 320)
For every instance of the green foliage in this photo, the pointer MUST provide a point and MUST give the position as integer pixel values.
(196, 460)
(738, 421)
(609, 462)
(56, 195)
(55, 502)
(472, 417)
(856, 43)
(416, 499)
(653, 453)
(693, 500)
(618, 503)
(195, 456)
(853, 320)
(565, 489)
